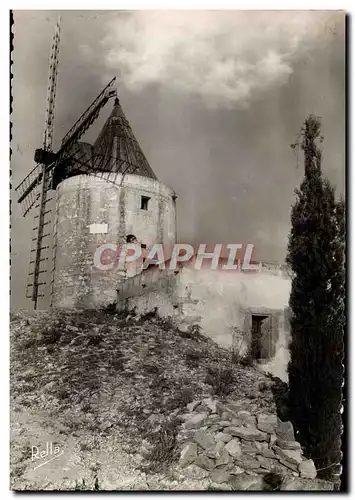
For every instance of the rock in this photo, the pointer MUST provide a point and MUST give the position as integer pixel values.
(194, 472)
(267, 423)
(186, 434)
(204, 439)
(291, 456)
(220, 487)
(302, 484)
(224, 458)
(186, 416)
(224, 423)
(202, 409)
(226, 415)
(214, 428)
(212, 419)
(247, 433)
(183, 328)
(191, 406)
(219, 448)
(285, 431)
(267, 463)
(259, 486)
(243, 482)
(188, 454)
(307, 469)
(219, 407)
(272, 439)
(237, 470)
(204, 462)
(268, 453)
(196, 421)
(261, 446)
(49, 387)
(233, 448)
(211, 404)
(264, 449)
(222, 436)
(246, 418)
(194, 485)
(248, 462)
(211, 453)
(288, 445)
(220, 475)
(237, 422)
(249, 446)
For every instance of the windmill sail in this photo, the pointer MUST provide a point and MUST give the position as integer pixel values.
(37, 183)
(52, 167)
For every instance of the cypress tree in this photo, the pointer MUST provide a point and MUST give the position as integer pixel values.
(316, 255)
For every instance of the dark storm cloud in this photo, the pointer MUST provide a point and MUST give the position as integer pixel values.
(214, 104)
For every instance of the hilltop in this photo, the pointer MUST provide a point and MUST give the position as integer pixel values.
(112, 391)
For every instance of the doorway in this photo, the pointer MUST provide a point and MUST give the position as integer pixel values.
(256, 335)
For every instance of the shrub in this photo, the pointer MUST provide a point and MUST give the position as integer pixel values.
(153, 314)
(150, 367)
(221, 379)
(279, 389)
(162, 450)
(179, 398)
(110, 308)
(167, 323)
(247, 358)
(95, 339)
(50, 334)
(193, 332)
(192, 356)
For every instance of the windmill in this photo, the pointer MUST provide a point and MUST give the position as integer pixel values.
(51, 167)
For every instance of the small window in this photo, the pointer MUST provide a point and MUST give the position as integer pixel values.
(131, 238)
(144, 202)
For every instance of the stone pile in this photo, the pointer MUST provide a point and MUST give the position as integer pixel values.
(227, 448)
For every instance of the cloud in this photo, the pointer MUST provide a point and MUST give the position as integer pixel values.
(225, 57)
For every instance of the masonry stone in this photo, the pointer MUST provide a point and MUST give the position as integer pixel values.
(246, 433)
(188, 454)
(196, 421)
(307, 469)
(204, 439)
(285, 431)
(233, 448)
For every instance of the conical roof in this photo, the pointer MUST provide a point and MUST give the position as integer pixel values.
(116, 148)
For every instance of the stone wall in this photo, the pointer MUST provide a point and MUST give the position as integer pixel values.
(227, 448)
(222, 303)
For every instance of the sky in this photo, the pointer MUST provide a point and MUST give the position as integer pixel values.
(215, 99)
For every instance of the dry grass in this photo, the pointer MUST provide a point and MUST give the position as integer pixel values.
(98, 372)
(162, 449)
(221, 379)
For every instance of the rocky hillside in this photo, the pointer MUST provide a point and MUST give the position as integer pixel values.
(101, 401)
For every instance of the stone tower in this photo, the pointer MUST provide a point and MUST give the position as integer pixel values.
(124, 199)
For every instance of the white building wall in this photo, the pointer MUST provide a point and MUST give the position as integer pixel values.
(221, 302)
